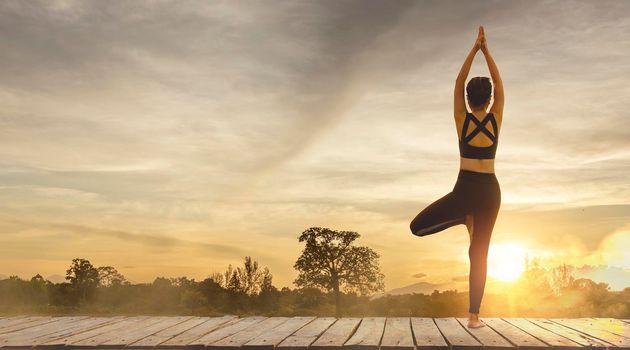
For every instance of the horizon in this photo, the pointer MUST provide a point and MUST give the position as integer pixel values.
(175, 138)
(494, 285)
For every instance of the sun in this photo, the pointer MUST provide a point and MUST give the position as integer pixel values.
(506, 261)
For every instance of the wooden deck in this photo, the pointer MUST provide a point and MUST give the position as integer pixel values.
(317, 333)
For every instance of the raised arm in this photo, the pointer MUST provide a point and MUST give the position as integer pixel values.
(497, 105)
(459, 105)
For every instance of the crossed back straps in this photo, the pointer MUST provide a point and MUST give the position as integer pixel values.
(469, 151)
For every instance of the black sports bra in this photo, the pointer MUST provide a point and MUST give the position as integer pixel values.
(468, 151)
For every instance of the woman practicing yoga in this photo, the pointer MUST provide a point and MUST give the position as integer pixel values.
(476, 197)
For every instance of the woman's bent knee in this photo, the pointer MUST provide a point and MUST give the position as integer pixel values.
(418, 228)
(414, 229)
(423, 229)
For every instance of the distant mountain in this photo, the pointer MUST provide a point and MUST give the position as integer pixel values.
(616, 277)
(424, 288)
(2, 277)
(461, 285)
(56, 279)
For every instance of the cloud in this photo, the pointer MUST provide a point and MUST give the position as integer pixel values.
(419, 275)
(462, 278)
(616, 277)
(163, 243)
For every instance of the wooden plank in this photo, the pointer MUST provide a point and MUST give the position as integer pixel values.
(8, 321)
(194, 333)
(101, 335)
(518, 337)
(577, 337)
(487, 336)
(80, 327)
(60, 331)
(337, 334)
(168, 333)
(588, 329)
(549, 337)
(305, 336)
(612, 325)
(608, 325)
(124, 338)
(368, 335)
(456, 335)
(41, 329)
(237, 340)
(227, 331)
(270, 339)
(32, 322)
(397, 334)
(427, 334)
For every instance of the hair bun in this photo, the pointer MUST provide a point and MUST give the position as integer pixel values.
(479, 90)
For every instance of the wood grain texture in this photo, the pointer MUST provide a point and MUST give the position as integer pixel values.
(549, 337)
(427, 334)
(487, 336)
(230, 332)
(337, 334)
(189, 336)
(515, 335)
(134, 334)
(270, 339)
(27, 334)
(456, 335)
(612, 325)
(227, 331)
(580, 338)
(100, 335)
(397, 334)
(368, 335)
(587, 328)
(9, 321)
(59, 331)
(238, 339)
(168, 333)
(31, 322)
(305, 336)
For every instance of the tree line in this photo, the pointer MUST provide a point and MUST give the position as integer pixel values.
(335, 278)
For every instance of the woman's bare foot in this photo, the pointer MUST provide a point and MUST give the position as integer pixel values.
(473, 321)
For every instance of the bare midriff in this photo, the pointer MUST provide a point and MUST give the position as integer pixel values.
(478, 165)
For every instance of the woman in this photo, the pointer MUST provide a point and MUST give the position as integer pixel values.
(476, 196)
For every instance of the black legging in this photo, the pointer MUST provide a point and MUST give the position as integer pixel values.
(476, 194)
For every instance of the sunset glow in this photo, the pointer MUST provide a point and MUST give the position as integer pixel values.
(174, 138)
(506, 261)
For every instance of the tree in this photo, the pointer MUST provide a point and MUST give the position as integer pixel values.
(192, 299)
(83, 277)
(213, 292)
(36, 290)
(248, 279)
(268, 295)
(267, 279)
(218, 278)
(251, 276)
(232, 280)
(109, 276)
(561, 278)
(330, 261)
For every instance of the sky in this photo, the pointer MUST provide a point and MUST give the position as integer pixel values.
(172, 138)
